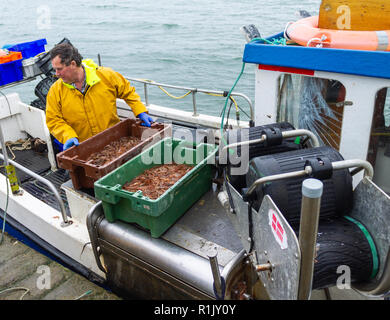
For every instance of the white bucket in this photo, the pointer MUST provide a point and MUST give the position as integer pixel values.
(30, 68)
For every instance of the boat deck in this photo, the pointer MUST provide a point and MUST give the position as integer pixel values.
(20, 266)
(206, 220)
(199, 230)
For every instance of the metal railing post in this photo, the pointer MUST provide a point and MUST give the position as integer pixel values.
(216, 274)
(66, 221)
(194, 91)
(310, 213)
(146, 94)
(194, 103)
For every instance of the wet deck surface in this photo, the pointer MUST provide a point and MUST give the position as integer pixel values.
(27, 274)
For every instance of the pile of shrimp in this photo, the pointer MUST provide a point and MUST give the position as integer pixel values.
(155, 181)
(113, 150)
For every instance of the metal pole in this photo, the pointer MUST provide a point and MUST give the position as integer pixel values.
(302, 132)
(337, 165)
(194, 103)
(3, 147)
(285, 134)
(197, 90)
(280, 176)
(216, 274)
(66, 221)
(146, 94)
(310, 212)
(361, 164)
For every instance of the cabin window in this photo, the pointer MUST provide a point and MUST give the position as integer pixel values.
(379, 147)
(314, 104)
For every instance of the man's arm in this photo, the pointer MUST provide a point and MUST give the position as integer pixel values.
(127, 92)
(54, 120)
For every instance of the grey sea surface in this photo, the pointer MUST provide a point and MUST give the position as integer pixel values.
(195, 44)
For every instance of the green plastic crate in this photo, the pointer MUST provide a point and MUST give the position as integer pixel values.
(159, 214)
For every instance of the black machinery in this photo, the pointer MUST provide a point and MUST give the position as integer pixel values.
(264, 169)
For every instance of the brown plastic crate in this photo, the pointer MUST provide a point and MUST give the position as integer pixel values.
(84, 174)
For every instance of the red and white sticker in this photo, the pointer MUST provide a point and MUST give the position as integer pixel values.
(277, 229)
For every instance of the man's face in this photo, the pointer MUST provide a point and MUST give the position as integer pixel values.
(66, 73)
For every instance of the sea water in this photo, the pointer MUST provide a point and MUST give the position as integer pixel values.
(196, 44)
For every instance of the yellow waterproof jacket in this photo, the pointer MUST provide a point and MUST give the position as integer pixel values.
(70, 114)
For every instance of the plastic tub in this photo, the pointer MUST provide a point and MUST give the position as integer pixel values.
(30, 68)
(11, 72)
(28, 49)
(159, 214)
(84, 173)
(11, 56)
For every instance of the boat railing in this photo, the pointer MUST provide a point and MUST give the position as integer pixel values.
(146, 83)
(56, 194)
(17, 83)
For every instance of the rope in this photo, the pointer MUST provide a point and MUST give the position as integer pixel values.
(221, 95)
(17, 288)
(84, 294)
(166, 92)
(285, 34)
(25, 144)
(7, 182)
(321, 41)
(274, 41)
(186, 94)
(172, 96)
(227, 99)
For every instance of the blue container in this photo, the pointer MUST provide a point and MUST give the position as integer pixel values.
(11, 72)
(28, 49)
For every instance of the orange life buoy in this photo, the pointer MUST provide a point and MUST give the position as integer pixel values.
(306, 33)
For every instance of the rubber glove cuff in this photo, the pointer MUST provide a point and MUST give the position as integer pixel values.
(71, 142)
(58, 144)
(146, 119)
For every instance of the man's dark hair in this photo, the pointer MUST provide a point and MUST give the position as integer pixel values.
(67, 54)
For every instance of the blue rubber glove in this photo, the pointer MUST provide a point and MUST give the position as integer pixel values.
(146, 119)
(71, 142)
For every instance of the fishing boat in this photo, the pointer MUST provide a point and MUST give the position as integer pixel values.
(296, 201)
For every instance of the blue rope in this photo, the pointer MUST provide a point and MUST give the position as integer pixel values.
(275, 41)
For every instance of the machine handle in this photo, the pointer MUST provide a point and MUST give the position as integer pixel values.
(308, 170)
(285, 134)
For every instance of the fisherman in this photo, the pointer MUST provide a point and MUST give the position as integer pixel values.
(82, 102)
